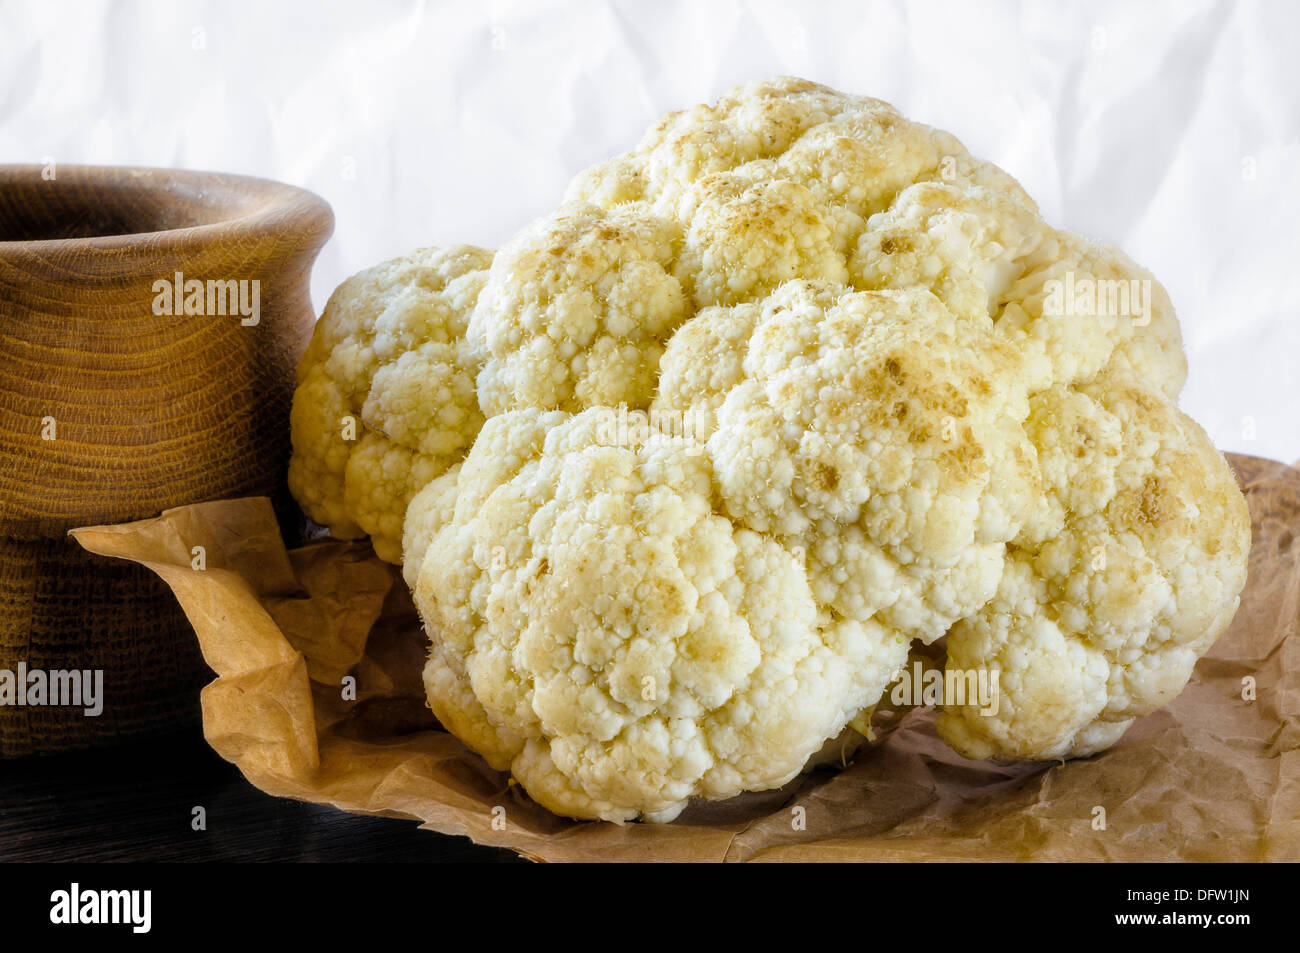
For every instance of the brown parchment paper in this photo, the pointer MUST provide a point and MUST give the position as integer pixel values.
(1215, 776)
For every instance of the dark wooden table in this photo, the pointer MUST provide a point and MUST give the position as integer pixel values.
(130, 803)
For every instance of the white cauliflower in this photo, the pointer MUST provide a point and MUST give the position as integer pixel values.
(385, 399)
(614, 642)
(1099, 617)
(793, 388)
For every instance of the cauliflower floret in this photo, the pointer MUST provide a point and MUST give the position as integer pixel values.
(600, 631)
(1075, 343)
(965, 243)
(870, 431)
(984, 248)
(576, 311)
(385, 399)
(1103, 620)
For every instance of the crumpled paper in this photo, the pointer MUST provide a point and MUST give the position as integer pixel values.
(1215, 776)
(1169, 128)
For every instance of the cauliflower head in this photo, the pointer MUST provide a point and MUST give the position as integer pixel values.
(385, 400)
(791, 389)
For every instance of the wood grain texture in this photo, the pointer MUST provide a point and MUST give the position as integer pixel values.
(146, 411)
(135, 803)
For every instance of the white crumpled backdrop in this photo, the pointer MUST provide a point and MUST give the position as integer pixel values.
(1172, 129)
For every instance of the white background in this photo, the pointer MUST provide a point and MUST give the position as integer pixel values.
(1172, 129)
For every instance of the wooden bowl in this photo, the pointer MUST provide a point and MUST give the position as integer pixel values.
(114, 407)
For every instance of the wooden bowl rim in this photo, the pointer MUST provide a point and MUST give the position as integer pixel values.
(282, 207)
